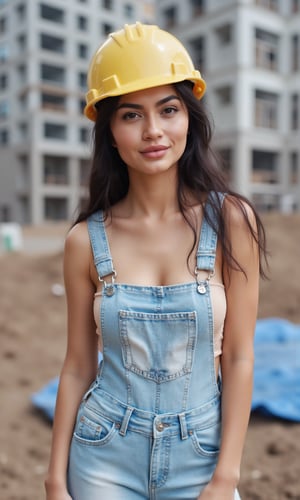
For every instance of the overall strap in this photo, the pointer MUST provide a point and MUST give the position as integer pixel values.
(206, 252)
(100, 246)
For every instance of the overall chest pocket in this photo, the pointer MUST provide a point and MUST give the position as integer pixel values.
(158, 346)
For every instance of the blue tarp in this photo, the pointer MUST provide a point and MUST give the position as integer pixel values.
(277, 369)
(45, 398)
(276, 372)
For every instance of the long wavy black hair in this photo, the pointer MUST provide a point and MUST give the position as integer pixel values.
(199, 172)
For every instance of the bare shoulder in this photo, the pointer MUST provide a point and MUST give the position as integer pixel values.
(77, 245)
(239, 215)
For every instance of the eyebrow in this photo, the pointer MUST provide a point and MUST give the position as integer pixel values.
(139, 106)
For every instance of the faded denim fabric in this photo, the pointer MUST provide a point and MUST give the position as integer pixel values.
(149, 426)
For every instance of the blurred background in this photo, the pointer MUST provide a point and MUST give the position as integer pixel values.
(248, 51)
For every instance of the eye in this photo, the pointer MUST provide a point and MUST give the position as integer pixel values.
(130, 115)
(170, 110)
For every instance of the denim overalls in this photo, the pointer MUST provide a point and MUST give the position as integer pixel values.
(149, 426)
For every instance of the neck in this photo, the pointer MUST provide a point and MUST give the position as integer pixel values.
(152, 196)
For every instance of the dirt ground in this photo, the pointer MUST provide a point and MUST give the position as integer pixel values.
(32, 326)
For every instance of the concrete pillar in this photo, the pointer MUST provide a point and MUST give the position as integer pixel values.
(242, 166)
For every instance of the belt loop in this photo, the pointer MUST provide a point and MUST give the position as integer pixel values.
(125, 421)
(183, 426)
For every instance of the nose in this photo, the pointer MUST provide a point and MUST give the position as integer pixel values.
(152, 128)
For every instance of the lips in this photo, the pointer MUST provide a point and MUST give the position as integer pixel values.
(154, 151)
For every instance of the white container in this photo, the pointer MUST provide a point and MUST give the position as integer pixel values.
(11, 238)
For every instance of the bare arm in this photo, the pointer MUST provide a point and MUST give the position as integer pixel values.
(80, 364)
(237, 355)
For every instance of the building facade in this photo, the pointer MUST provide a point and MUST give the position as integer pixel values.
(45, 142)
(249, 53)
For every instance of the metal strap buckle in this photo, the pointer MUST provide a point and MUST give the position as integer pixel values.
(202, 284)
(108, 287)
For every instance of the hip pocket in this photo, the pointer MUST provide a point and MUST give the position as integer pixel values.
(158, 346)
(93, 429)
(206, 442)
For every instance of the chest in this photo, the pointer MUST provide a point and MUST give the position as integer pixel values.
(153, 254)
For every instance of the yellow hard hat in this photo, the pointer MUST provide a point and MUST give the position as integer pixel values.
(138, 57)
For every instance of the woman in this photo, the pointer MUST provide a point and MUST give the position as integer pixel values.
(164, 266)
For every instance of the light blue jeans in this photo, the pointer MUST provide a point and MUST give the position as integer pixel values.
(122, 453)
(149, 427)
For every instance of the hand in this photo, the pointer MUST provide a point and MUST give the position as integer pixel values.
(56, 492)
(213, 491)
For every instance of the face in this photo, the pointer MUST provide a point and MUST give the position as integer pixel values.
(150, 128)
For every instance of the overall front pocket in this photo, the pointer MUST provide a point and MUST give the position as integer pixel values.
(158, 346)
(206, 441)
(93, 428)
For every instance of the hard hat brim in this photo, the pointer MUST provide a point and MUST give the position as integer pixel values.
(94, 96)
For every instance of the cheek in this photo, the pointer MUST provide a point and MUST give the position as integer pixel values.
(183, 124)
(125, 144)
(182, 131)
(124, 138)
